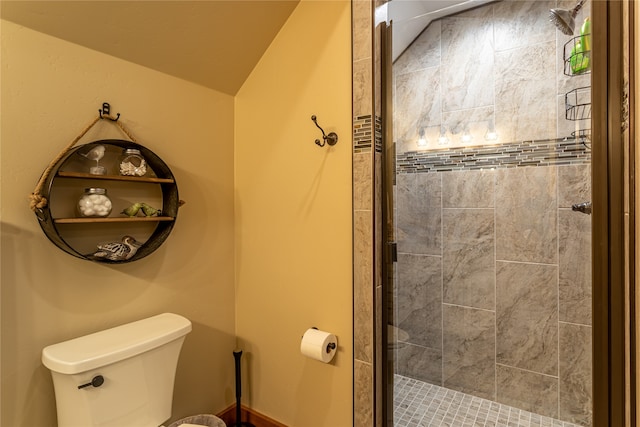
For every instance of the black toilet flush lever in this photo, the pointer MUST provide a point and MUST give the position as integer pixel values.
(96, 381)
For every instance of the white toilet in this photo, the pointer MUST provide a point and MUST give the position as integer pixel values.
(120, 377)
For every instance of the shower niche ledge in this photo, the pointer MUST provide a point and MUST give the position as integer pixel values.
(80, 236)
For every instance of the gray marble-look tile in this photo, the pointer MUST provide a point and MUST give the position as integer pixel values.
(469, 351)
(417, 101)
(419, 216)
(362, 181)
(377, 66)
(361, 18)
(421, 363)
(363, 286)
(576, 395)
(525, 99)
(526, 214)
(574, 185)
(527, 316)
(363, 394)
(474, 121)
(468, 257)
(522, 23)
(468, 189)
(362, 81)
(467, 60)
(526, 390)
(419, 299)
(380, 352)
(574, 277)
(423, 52)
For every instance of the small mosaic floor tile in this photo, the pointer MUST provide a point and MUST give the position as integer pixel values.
(420, 404)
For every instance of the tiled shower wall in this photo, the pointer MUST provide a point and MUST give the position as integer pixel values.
(493, 288)
(367, 286)
(498, 65)
(494, 272)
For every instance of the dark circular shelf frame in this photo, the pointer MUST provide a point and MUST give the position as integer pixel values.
(170, 201)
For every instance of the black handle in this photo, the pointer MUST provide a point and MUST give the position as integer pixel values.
(237, 354)
(96, 381)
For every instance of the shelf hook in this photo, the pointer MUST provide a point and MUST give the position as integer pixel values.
(107, 114)
(331, 139)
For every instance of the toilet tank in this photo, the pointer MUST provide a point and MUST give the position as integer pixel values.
(137, 363)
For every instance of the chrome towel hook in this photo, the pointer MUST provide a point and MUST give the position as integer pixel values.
(331, 139)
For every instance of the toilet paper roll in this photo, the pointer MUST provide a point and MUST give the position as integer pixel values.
(319, 345)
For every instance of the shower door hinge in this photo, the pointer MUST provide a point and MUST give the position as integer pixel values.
(392, 251)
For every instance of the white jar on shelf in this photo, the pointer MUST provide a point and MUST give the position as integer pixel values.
(94, 203)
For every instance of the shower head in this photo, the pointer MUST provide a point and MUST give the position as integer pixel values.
(565, 19)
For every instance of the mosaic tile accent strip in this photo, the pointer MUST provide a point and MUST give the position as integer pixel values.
(420, 404)
(362, 134)
(520, 154)
(378, 134)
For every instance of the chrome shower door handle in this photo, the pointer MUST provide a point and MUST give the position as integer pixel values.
(584, 207)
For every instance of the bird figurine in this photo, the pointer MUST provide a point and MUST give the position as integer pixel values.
(118, 251)
(96, 154)
(149, 211)
(132, 210)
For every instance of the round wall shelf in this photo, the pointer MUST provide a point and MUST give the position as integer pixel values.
(83, 236)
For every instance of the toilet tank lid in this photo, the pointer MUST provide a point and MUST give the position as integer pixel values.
(113, 345)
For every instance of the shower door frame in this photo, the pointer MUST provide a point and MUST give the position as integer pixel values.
(613, 221)
(614, 384)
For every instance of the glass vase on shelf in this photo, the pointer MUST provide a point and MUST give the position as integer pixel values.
(132, 163)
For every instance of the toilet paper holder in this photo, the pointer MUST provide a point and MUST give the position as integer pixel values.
(330, 346)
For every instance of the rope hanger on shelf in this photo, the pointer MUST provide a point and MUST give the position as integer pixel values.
(37, 200)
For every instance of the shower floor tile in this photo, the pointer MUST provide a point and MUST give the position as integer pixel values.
(420, 404)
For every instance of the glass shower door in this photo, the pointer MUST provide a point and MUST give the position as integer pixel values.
(491, 317)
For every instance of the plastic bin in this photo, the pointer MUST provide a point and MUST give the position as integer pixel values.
(200, 420)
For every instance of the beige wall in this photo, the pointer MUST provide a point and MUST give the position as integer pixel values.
(292, 233)
(293, 219)
(50, 90)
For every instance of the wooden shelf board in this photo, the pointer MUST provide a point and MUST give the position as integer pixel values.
(112, 220)
(63, 174)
